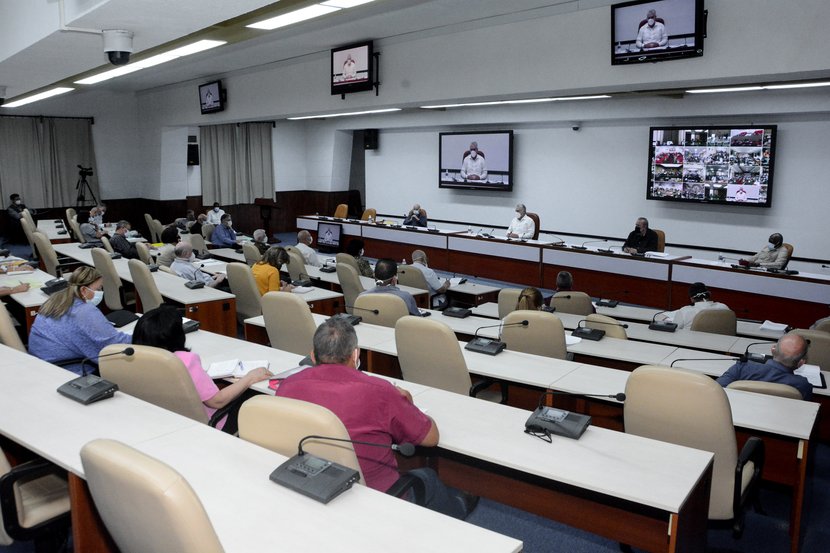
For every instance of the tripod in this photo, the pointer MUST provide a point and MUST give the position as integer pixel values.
(83, 187)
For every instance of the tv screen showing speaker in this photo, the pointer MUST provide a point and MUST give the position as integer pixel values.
(352, 68)
(211, 97)
(657, 30)
(328, 237)
(715, 165)
(476, 160)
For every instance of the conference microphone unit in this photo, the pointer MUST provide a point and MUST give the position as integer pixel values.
(607, 303)
(662, 326)
(355, 319)
(89, 388)
(559, 241)
(757, 357)
(488, 234)
(304, 280)
(701, 359)
(320, 479)
(582, 246)
(490, 346)
(725, 258)
(593, 334)
(545, 420)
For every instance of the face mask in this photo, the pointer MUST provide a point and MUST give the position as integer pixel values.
(651, 23)
(18, 202)
(361, 253)
(518, 215)
(216, 210)
(771, 246)
(473, 154)
(97, 297)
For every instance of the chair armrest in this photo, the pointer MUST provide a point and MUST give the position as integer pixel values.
(406, 483)
(8, 502)
(753, 450)
(485, 383)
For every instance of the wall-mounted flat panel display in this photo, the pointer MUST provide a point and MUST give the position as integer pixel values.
(352, 68)
(476, 160)
(656, 30)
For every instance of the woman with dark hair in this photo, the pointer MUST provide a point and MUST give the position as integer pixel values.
(355, 249)
(266, 271)
(162, 328)
(169, 237)
(530, 299)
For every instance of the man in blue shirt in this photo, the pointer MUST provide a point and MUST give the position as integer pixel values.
(224, 236)
(787, 355)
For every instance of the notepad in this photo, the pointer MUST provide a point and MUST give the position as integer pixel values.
(235, 368)
(302, 289)
(812, 373)
(572, 340)
(769, 325)
(455, 281)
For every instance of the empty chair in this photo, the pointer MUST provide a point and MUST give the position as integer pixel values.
(576, 303)
(145, 286)
(114, 296)
(148, 220)
(612, 328)
(346, 259)
(716, 321)
(288, 322)
(47, 254)
(543, 335)
(244, 287)
(342, 211)
(508, 298)
(769, 388)
(691, 409)
(8, 334)
(26, 214)
(207, 231)
(107, 245)
(296, 267)
(163, 512)
(70, 213)
(158, 228)
(350, 284)
(411, 276)
(143, 252)
(389, 309)
(251, 253)
(819, 351)
(822, 324)
(369, 213)
(198, 243)
(29, 232)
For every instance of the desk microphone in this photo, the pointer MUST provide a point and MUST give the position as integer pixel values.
(354, 320)
(609, 249)
(619, 396)
(582, 246)
(304, 280)
(560, 241)
(758, 357)
(90, 388)
(701, 359)
(489, 234)
(662, 326)
(607, 303)
(593, 334)
(724, 258)
(490, 346)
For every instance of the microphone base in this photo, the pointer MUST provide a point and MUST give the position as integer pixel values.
(578, 247)
(608, 303)
(758, 357)
(592, 334)
(328, 269)
(486, 346)
(557, 421)
(301, 283)
(662, 326)
(457, 312)
(314, 477)
(353, 320)
(88, 389)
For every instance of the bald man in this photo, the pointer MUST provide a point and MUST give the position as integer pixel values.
(304, 246)
(787, 355)
(437, 288)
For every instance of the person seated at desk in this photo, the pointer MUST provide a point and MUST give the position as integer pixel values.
(89, 230)
(773, 256)
(530, 299)
(372, 410)
(266, 271)
(788, 354)
(417, 217)
(223, 235)
(386, 278)
(162, 328)
(119, 240)
(196, 228)
(184, 223)
(565, 283)
(70, 325)
(355, 249)
(701, 301)
(167, 253)
(214, 216)
(304, 241)
(473, 166)
(642, 239)
(183, 266)
(261, 241)
(521, 226)
(96, 214)
(437, 289)
(653, 34)
(15, 212)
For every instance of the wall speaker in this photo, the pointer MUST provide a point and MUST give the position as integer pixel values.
(192, 154)
(370, 139)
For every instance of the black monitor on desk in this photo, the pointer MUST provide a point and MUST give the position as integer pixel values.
(328, 237)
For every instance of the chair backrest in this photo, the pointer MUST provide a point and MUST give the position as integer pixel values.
(389, 309)
(342, 211)
(244, 287)
(508, 298)
(26, 214)
(350, 284)
(145, 286)
(8, 335)
(768, 388)
(207, 231)
(76, 230)
(576, 303)
(107, 245)
(822, 324)
(535, 217)
(543, 335)
(279, 423)
(46, 253)
(296, 267)
(163, 512)
(155, 375)
(369, 212)
(168, 270)
(612, 328)
(412, 276)
(157, 230)
(429, 354)
(143, 252)
(346, 259)
(288, 322)
(112, 282)
(251, 253)
(70, 213)
(789, 248)
(148, 220)
(690, 409)
(716, 321)
(661, 240)
(198, 243)
(29, 232)
(819, 350)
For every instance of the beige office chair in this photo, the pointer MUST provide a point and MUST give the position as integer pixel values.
(168, 270)
(350, 284)
(145, 286)
(389, 309)
(691, 409)
(508, 298)
(47, 254)
(26, 214)
(143, 252)
(347, 259)
(612, 328)
(544, 334)
(576, 303)
(768, 388)
(34, 501)
(244, 287)
(145, 504)
(790, 249)
(114, 296)
(342, 211)
(296, 267)
(70, 213)
(822, 325)
(251, 253)
(412, 276)
(198, 243)
(29, 232)
(207, 231)
(158, 228)
(716, 321)
(8, 334)
(107, 244)
(279, 423)
(288, 322)
(76, 230)
(661, 240)
(148, 220)
(536, 222)
(819, 351)
(369, 212)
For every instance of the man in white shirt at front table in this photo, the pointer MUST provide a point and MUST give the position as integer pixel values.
(437, 289)
(701, 301)
(304, 241)
(522, 226)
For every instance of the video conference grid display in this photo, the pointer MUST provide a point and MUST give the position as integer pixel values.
(715, 165)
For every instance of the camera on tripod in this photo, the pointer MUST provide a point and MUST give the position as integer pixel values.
(84, 171)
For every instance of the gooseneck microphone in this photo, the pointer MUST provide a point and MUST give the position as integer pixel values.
(662, 326)
(732, 360)
(559, 240)
(582, 246)
(128, 351)
(375, 311)
(619, 396)
(89, 388)
(406, 449)
(758, 357)
(490, 346)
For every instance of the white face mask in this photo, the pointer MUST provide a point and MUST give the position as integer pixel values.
(770, 245)
(18, 202)
(98, 295)
(216, 210)
(651, 23)
(518, 215)
(473, 154)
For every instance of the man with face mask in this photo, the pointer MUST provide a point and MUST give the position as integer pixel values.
(653, 33)
(15, 211)
(522, 226)
(474, 167)
(224, 236)
(214, 216)
(120, 243)
(642, 239)
(183, 266)
(773, 256)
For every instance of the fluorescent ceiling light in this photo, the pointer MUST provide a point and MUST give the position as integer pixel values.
(37, 97)
(328, 115)
(796, 85)
(597, 97)
(726, 89)
(525, 101)
(290, 18)
(345, 4)
(158, 59)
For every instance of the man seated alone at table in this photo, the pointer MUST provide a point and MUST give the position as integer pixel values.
(223, 235)
(119, 241)
(642, 239)
(304, 241)
(522, 226)
(416, 217)
(701, 300)
(787, 355)
(386, 278)
(773, 256)
(372, 410)
(183, 266)
(437, 289)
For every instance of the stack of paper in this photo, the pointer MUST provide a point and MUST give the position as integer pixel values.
(234, 368)
(769, 325)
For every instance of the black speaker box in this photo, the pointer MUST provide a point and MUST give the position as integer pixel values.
(370, 139)
(193, 154)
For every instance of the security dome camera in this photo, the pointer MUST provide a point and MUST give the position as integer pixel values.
(576, 125)
(118, 44)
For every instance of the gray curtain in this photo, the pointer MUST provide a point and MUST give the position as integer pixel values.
(237, 163)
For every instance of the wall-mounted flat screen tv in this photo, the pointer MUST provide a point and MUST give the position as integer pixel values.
(657, 30)
(476, 160)
(713, 165)
(211, 97)
(352, 68)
